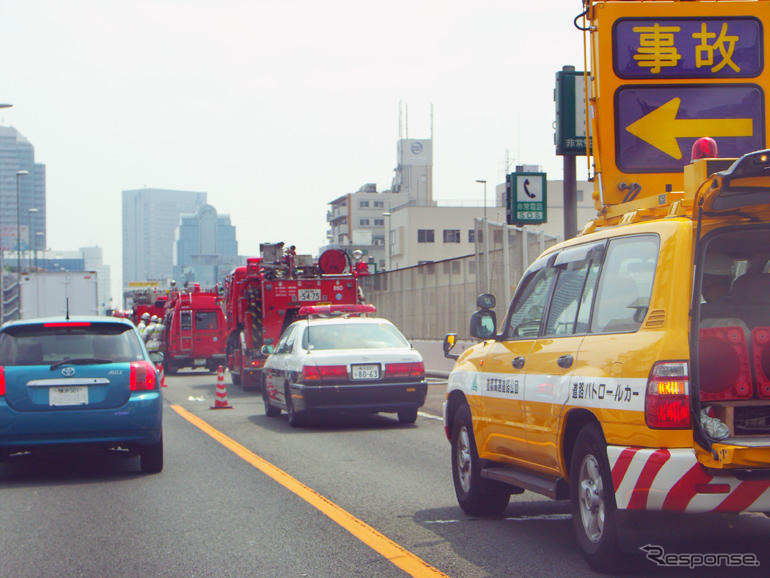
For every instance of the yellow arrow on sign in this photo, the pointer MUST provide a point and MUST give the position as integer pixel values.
(660, 128)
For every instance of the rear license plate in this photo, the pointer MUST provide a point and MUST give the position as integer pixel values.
(371, 371)
(68, 395)
(199, 362)
(309, 294)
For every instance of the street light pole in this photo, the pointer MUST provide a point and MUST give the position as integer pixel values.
(483, 182)
(19, 174)
(486, 233)
(387, 214)
(30, 237)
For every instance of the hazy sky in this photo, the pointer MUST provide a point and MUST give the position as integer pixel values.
(274, 107)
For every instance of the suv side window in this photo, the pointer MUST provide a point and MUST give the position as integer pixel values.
(625, 285)
(530, 303)
(574, 266)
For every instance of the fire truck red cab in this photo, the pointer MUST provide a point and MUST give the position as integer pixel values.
(195, 331)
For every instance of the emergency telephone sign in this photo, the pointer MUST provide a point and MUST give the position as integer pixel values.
(526, 195)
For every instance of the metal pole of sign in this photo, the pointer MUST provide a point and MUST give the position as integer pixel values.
(570, 196)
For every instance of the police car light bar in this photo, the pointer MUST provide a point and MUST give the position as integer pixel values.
(336, 309)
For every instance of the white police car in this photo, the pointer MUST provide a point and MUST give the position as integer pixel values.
(342, 361)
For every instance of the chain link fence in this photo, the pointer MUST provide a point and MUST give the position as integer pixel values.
(426, 301)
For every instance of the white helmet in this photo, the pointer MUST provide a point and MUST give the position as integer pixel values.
(145, 316)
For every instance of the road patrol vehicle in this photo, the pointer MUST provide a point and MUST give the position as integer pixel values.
(632, 369)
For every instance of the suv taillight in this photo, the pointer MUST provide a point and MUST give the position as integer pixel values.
(416, 369)
(2, 380)
(321, 373)
(667, 405)
(143, 377)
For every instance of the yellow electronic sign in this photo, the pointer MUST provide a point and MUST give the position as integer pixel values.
(665, 74)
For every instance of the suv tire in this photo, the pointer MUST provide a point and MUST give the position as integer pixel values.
(477, 496)
(592, 496)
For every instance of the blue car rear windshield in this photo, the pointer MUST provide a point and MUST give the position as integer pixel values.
(36, 344)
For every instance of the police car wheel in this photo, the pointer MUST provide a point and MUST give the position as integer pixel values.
(407, 416)
(593, 500)
(477, 496)
(296, 418)
(270, 410)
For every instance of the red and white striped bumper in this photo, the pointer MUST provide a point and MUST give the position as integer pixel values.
(673, 480)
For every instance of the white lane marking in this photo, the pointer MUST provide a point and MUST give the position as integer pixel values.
(513, 518)
(430, 416)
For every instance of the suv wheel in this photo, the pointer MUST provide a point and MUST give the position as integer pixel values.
(476, 495)
(270, 410)
(593, 500)
(151, 458)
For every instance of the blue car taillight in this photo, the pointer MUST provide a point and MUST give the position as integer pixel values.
(142, 376)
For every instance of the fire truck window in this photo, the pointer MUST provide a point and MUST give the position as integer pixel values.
(205, 320)
(185, 320)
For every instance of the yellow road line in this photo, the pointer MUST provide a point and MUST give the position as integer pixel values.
(378, 542)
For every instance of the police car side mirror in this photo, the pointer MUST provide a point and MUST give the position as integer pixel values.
(266, 349)
(483, 324)
(449, 342)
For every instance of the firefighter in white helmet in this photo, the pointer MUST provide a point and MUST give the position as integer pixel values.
(142, 327)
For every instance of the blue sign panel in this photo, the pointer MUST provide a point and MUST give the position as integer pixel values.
(687, 47)
(656, 125)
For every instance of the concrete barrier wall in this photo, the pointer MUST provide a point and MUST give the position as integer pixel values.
(427, 301)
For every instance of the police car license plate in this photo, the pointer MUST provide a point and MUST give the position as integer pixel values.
(309, 294)
(371, 371)
(68, 395)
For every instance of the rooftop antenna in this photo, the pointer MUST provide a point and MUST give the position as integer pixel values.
(431, 121)
(400, 120)
(67, 308)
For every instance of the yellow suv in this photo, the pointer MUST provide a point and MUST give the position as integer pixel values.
(632, 370)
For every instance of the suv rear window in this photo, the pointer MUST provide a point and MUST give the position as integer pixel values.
(37, 344)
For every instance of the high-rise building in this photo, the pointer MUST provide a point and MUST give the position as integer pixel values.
(18, 154)
(150, 219)
(206, 248)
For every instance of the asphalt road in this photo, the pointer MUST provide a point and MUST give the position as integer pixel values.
(215, 510)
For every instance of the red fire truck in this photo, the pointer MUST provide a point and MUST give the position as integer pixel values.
(194, 330)
(149, 301)
(264, 297)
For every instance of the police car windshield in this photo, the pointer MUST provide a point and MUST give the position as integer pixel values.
(39, 345)
(353, 336)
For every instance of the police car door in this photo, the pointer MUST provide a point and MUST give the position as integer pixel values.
(277, 366)
(553, 360)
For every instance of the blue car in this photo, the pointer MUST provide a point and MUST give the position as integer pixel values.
(79, 383)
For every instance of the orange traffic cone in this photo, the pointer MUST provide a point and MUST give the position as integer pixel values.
(161, 375)
(220, 401)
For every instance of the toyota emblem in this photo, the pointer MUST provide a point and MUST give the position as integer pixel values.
(68, 371)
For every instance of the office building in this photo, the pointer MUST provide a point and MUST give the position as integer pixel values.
(18, 154)
(150, 219)
(206, 248)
